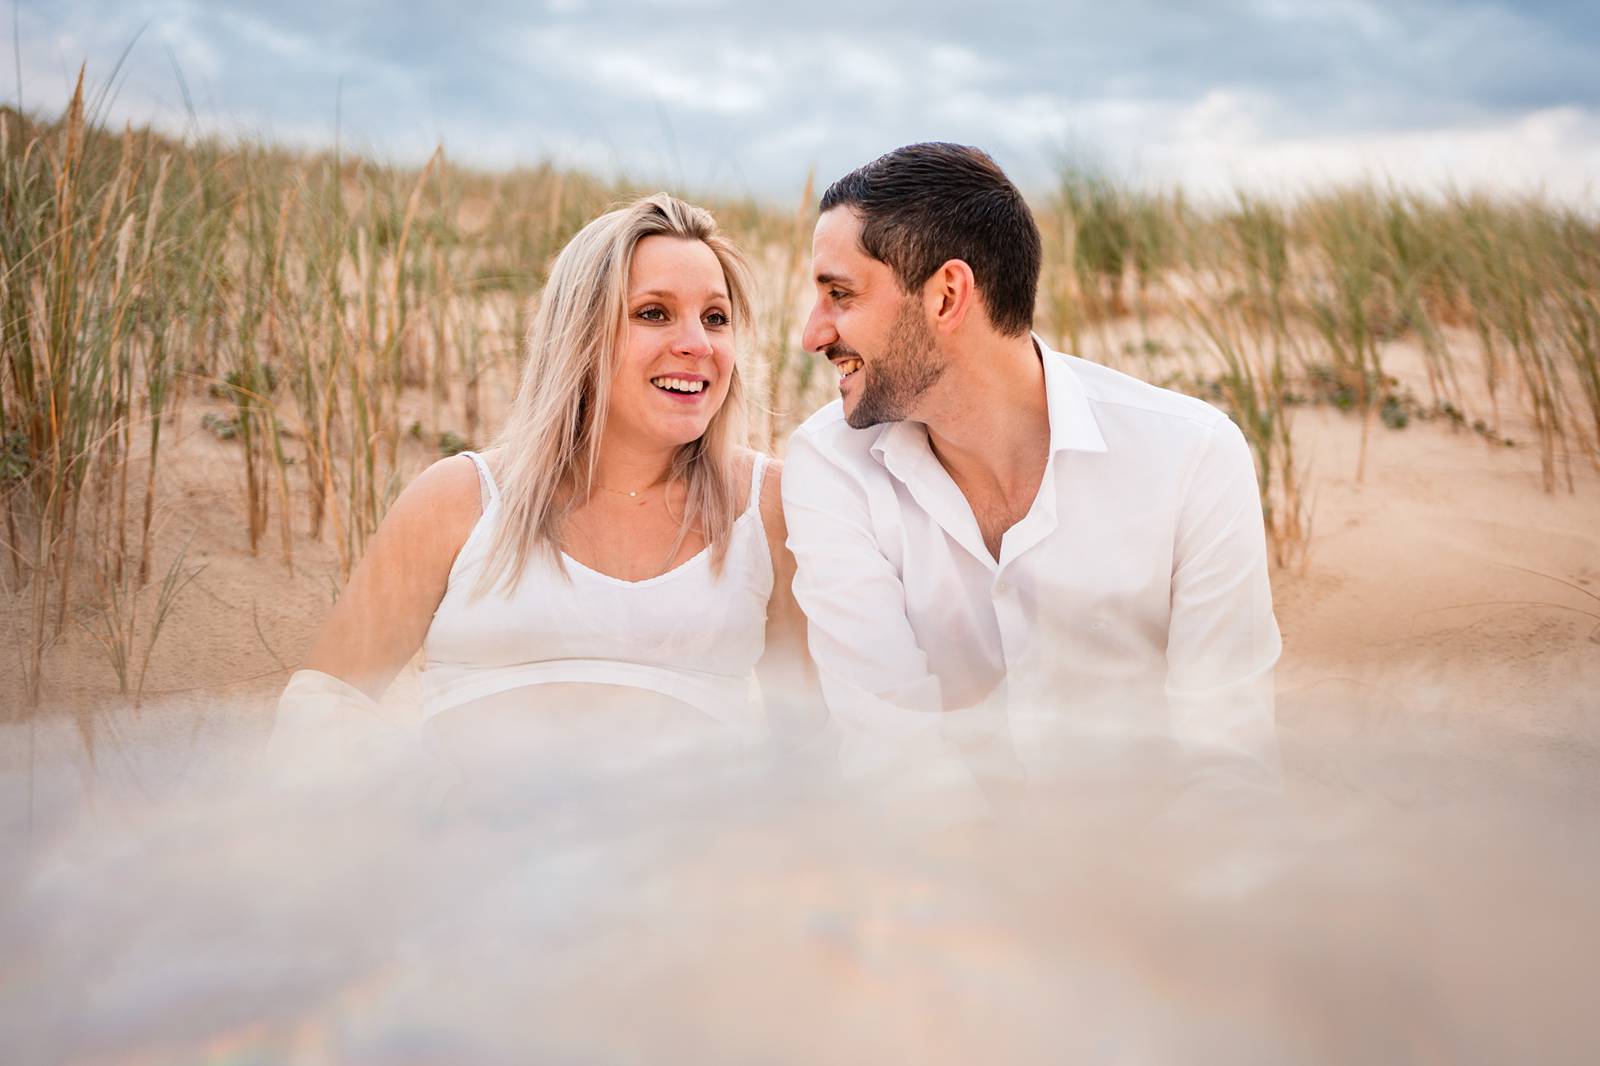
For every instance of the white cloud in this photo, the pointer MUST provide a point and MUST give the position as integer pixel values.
(715, 80)
(263, 34)
(1217, 145)
(192, 50)
(1370, 19)
(750, 98)
(1555, 151)
(953, 63)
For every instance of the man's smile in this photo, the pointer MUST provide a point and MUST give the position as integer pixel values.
(845, 361)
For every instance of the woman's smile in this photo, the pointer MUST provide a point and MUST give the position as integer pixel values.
(683, 388)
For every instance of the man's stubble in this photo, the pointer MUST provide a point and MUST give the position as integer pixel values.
(909, 366)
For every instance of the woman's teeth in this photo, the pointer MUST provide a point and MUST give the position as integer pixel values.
(678, 384)
(846, 367)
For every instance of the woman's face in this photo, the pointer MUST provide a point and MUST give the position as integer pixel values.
(676, 356)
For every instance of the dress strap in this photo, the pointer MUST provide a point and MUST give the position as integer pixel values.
(757, 469)
(490, 489)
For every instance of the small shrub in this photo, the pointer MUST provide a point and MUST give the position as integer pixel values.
(1394, 413)
(14, 458)
(225, 427)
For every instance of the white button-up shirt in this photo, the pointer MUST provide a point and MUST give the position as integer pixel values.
(1132, 595)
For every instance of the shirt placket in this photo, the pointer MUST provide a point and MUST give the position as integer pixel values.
(1021, 542)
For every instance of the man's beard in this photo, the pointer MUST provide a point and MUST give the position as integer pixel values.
(897, 378)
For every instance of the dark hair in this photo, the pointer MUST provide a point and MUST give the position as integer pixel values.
(925, 204)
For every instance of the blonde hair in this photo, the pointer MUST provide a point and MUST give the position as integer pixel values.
(551, 439)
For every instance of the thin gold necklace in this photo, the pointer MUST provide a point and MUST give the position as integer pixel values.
(632, 492)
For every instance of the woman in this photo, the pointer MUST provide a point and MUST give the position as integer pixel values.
(617, 547)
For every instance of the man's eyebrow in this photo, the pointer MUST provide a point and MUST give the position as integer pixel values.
(832, 279)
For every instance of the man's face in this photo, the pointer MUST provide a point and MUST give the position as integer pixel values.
(874, 334)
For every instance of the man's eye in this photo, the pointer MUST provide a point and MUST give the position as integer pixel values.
(837, 294)
(651, 314)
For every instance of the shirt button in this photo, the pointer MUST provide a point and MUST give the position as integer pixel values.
(1002, 587)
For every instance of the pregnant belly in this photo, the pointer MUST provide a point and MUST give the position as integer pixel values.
(572, 726)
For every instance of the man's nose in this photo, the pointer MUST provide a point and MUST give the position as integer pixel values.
(819, 332)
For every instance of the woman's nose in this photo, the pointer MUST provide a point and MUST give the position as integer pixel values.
(693, 341)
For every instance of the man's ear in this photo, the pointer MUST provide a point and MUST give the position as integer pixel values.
(949, 295)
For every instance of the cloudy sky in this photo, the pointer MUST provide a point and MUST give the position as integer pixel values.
(745, 97)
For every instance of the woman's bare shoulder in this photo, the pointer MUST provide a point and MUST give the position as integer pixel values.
(447, 486)
(440, 506)
(382, 616)
(771, 490)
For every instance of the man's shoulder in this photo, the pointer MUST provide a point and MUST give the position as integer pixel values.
(827, 433)
(1118, 395)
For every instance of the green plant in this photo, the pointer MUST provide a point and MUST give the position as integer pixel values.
(117, 626)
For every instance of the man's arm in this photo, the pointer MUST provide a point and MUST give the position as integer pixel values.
(866, 653)
(1223, 640)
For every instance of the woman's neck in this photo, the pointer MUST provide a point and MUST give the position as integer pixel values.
(625, 467)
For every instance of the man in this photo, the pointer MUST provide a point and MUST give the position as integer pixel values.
(984, 525)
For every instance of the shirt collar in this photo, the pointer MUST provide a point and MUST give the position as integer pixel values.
(1072, 424)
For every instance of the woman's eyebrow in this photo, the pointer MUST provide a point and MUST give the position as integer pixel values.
(664, 294)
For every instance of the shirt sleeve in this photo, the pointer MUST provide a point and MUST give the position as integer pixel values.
(324, 726)
(1223, 641)
(867, 655)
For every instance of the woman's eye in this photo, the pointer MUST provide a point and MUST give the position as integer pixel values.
(717, 318)
(651, 314)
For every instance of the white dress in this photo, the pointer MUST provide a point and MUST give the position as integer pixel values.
(691, 635)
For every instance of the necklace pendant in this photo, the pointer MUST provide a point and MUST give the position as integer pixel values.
(633, 494)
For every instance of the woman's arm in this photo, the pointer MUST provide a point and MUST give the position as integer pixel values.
(380, 618)
(785, 670)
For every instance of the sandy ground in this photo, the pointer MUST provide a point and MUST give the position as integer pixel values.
(1445, 562)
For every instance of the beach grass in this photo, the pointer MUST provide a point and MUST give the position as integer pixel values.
(325, 310)
(1273, 303)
